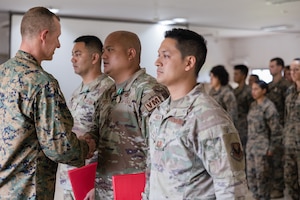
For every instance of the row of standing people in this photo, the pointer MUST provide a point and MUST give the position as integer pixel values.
(169, 127)
(264, 126)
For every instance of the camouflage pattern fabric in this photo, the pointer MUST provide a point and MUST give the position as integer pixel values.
(195, 151)
(35, 131)
(277, 94)
(291, 143)
(244, 99)
(225, 97)
(264, 133)
(82, 106)
(123, 129)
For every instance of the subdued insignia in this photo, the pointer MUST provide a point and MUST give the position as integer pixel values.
(236, 151)
(152, 103)
(177, 120)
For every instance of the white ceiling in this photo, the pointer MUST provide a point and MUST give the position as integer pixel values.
(222, 18)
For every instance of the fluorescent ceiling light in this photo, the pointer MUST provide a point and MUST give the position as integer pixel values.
(274, 28)
(173, 21)
(54, 10)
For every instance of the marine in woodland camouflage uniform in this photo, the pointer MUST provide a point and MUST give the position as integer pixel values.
(123, 131)
(277, 93)
(292, 134)
(264, 134)
(35, 122)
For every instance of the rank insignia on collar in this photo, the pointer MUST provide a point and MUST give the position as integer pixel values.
(236, 151)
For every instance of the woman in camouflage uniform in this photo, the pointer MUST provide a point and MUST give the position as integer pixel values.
(263, 135)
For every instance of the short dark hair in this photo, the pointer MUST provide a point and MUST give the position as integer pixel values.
(262, 84)
(221, 73)
(189, 43)
(279, 61)
(243, 68)
(255, 75)
(92, 42)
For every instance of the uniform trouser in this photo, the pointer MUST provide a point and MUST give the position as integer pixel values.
(277, 170)
(68, 195)
(292, 171)
(258, 174)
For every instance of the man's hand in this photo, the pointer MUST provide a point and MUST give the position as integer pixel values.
(91, 142)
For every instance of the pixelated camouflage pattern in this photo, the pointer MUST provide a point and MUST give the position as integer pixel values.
(244, 99)
(277, 94)
(225, 97)
(264, 133)
(291, 142)
(82, 106)
(35, 131)
(123, 132)
(195, 151)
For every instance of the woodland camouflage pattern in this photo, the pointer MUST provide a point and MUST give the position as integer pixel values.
(35, 131)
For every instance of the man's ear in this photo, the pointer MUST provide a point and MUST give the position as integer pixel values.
(95, 57)
(190, 63)
(43, 34)
(131, 53)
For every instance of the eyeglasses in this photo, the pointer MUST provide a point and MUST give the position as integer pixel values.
(294, 70)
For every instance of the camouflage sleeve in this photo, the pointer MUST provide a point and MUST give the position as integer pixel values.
(54, 124)
(273, 121)
(231, 106)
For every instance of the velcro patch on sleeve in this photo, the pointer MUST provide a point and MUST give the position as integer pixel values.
(152, 103)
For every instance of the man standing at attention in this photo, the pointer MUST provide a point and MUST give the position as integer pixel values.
(195, 150)
(86, 59)
(35, 122)
(243, 98)
(124, 112)
(277, 93)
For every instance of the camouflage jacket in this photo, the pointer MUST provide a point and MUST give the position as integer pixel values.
(225, 97)
(263, 125)
(277, 94)
(82, 106)
(195, 151)
(35, 130)
(123, 129)
(292, 118)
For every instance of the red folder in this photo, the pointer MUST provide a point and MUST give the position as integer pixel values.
(82, 180)
(129, 186)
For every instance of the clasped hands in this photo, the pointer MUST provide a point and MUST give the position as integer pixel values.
(91, 143)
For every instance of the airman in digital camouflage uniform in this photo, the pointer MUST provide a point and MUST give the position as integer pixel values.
(292, 134)
(277, 93)
(244, 99)
(35, 122)
(264, 135)
(86, 59)
(222, 92)
(124, 112)
(195, 150)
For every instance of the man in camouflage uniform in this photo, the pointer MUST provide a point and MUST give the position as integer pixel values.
(277, 93)
(292, 134)
(244, 99)
(36, 124)
(86, 59)
(264, 135)
(124, 110)
(195, 150)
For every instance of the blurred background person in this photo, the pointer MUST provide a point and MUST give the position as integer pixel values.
(264, 134)
(222, 92)
(292, 134)
(277, 93)
(287, 73)
(253, 78)
(244, 99)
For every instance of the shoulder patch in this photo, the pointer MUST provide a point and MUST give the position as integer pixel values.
(152, 103)
(236, 151)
